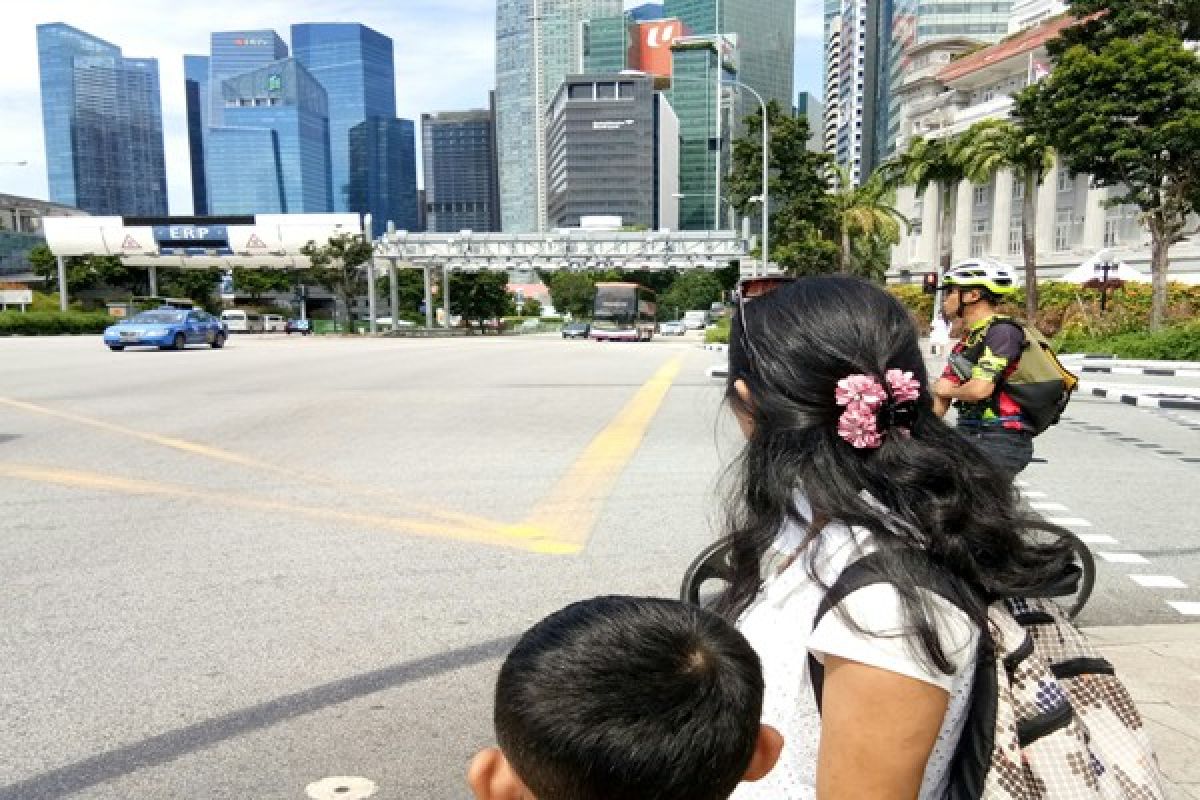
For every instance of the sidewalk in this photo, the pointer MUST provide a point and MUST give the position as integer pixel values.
(1160, 664)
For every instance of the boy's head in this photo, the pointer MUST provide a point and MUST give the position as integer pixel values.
(627, 698)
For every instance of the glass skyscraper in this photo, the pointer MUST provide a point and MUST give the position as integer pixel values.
(195, 84)
(102, 118)
(355, 64)
(606, 44)
(235, 53)
(698, 66)
(383, 172)
(460, 171)
(538, 43)
(271, 155)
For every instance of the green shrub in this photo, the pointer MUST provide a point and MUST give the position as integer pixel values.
(719, 333)
(1176, 343)
(919, 304)
(52, 323)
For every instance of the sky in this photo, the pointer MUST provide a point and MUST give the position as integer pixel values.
(445, 60)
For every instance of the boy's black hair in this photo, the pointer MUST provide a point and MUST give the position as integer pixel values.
(630, 698)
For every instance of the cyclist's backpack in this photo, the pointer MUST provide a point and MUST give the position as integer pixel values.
(1040, 384)
(1048, 716)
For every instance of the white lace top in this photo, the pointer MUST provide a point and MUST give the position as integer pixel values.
(779, 624)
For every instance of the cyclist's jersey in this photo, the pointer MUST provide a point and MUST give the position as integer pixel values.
(999, 349)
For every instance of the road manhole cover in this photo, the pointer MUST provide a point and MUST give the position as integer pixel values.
(341, 787)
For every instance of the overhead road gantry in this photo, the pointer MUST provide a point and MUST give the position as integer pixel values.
(274, 241)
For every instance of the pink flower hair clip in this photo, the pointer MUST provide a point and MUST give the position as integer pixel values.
(864, 397)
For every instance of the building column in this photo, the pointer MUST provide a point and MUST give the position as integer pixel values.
(1093, 220)
(927, 247)
(1047, 211)
(962, 222)
(1002, 187)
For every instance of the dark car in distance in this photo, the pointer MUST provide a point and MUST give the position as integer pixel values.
(300, 326)
(576, 330)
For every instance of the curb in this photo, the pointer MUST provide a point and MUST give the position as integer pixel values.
(1179, 401)
(718, 372)
(1155, 371)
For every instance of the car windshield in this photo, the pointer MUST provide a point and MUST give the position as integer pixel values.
(159, 317)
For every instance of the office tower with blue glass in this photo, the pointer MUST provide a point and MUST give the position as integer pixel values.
(356, 66)
(234, 53)
(102, 119)
(195, 92)
(458, 159)
(271, 155)
(383, 172)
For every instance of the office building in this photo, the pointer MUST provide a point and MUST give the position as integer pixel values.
(606, 43)
(355, 65)
(766, 39)
(612, 144)
(21, 231)
(700, 64)
(102, 120)
(234, 53)
(458, 161)
(271, 155)
(195, 83)
(383, 172)
(647, 12)
(812, 110)
(538, 43)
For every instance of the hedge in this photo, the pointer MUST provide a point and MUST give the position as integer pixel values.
(1176, 343)
(51, 323)
(719, 333)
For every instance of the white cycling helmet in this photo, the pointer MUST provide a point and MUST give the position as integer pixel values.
(977, 273)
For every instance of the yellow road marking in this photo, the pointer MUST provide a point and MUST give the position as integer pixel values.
(217, 454)
(568, 513)
(496, 534)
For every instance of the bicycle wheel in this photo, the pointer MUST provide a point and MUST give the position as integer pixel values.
(711, 565)
(1074, 588)
(1087, 578)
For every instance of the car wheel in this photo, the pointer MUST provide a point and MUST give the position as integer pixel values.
(116, 348)
(218, 341)
(180, 342)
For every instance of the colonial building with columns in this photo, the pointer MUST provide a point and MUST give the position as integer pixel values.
(947, 88)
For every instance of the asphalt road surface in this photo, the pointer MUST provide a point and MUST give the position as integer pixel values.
(230, 574)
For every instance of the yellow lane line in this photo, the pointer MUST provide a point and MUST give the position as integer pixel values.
(568, 513)
(500, 535)
(217, 454)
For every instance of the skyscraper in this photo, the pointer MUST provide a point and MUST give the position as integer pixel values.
(699, 66)
(356, 66)
(460, 171)
(383, 172)
(102, 117)
(272, 153)
(195, 82)
(538, 43)
(766, 38)
(235, 53)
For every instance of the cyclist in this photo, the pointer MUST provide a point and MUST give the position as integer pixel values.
(978, 365)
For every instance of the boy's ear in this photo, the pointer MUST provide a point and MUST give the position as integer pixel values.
(766, 753)
(491, 777)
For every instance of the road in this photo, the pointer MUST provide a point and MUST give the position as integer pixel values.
(228, 574)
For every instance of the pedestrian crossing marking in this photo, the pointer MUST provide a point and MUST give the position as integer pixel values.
(1123, 558)
(1158, 582)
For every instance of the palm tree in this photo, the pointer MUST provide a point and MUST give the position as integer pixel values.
(993, 145)
(928, 161)
(865, 211)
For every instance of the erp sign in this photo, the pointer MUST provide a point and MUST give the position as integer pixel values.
(180, 234)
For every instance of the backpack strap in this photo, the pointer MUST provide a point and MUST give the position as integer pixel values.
(868, 571)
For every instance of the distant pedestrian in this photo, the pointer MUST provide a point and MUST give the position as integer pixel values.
(627, 698)
(845, 457)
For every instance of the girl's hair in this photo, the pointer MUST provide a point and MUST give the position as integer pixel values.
(927, 489)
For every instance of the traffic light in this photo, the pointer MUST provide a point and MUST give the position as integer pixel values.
(929, 283)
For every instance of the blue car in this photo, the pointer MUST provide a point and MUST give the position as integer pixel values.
(167, 329)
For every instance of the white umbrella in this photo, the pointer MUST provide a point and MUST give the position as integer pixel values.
(1092, 270)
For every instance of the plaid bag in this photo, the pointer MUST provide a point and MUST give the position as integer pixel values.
(1049, 719)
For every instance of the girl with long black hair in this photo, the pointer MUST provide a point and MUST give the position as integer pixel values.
(844, 456)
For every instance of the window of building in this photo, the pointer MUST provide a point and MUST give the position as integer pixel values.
(1062, 231)
(1015, 245)
(1018, 192)
(981, 194)
(606, 91)
(1065, 182)
(980, 235)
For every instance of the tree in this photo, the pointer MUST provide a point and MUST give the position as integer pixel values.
(1105, 20)
(410, 289)
(88, 272)
(801, 208)
(338, 266)
(1127, 112)
(925, 162)
(864, 212)
(572, 292)
(198, 285)
(532, 307)
(692, 290)
(257, 282)
(994, 145)
(480, 296)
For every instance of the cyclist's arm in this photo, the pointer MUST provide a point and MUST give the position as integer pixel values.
(972, 391)
(1001, 347)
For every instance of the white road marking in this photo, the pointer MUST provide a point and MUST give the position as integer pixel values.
(1187, 609)
(1158, 582)
(1069, 522)
(1048, 507)
(1021, 484)
(1096, 538)
(1123, 558)
(340, 787)
(1031, 494)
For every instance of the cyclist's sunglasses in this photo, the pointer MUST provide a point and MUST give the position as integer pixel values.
(749, 289)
